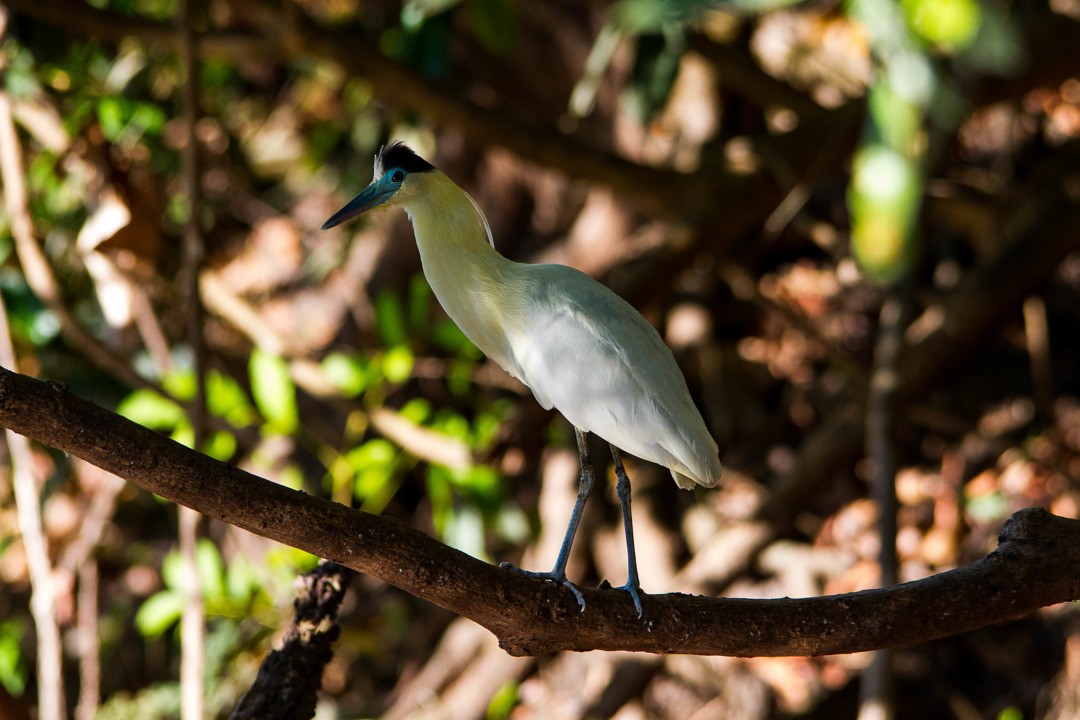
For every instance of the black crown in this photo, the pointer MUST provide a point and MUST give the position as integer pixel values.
(400, 155)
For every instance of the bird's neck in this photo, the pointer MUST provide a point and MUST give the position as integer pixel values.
(472, 281)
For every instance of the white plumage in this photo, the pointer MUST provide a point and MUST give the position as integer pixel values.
(579, 347)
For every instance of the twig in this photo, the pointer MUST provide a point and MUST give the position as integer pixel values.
(28, 502)
(87, 633)
(421, 442)
(192, 621)
(876, 701)
(77, 559)
(102, 488)
(1036, 564)
(43, 591)
(1037, 336)
(149, 327)
(458, 671)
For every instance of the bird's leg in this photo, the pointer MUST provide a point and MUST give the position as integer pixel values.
(585, 483)
(622, 489)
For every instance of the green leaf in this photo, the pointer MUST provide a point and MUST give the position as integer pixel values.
(656, 66)
(480, 480)
(13, 670)
(275, 394)
(110, 116)
(19, 77)
(291, 477)
(172, 571)
(503, 701)
(452, 424)
(374, 452)
(220, 445)
(883, 197)
(397, 364)
(512, 524)
(241, 580)
(486, 426)
(441, 497)
(124, 121)
(160, 612)
(374, 464)
(459, 376)
(949, 24)
(419, 305)
(348, 373)
(987, 508)
(181, 384)
(494, 22)
(44, 328)
(415, 12)
(650, 16)
(211, 569)
(290, 560)
(227, 400)
(418, 410)
(389, 319)
(152, 410)
(465, 531)
(184, 434)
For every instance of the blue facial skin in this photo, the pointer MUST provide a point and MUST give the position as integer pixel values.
(375, 194)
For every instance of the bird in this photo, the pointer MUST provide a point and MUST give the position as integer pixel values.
(578, 346)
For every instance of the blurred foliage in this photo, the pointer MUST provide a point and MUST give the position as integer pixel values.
(275, 394)
(236, 592)
(331, 368)
(13, 669)
(503, 702)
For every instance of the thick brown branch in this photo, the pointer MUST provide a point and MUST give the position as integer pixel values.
(1034, 566)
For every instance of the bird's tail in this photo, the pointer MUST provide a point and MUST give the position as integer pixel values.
(709, 479)
(697, 458)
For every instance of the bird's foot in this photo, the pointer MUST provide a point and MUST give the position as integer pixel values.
(635, 595)
(550, 576)
(633, 589)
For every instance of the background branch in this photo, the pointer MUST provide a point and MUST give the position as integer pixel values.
(193, 620)
(288, 681)
(27, 496)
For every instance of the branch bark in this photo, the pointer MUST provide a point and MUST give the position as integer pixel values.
(288, 682)
(1035, 565)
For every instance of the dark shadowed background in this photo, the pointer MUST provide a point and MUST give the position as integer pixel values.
(856, 224)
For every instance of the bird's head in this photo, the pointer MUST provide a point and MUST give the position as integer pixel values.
(396, 168)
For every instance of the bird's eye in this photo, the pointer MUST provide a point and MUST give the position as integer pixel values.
(398, 176)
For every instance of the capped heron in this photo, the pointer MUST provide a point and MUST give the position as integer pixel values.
(578, 346)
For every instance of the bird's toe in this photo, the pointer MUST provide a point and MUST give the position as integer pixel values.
(550, 576)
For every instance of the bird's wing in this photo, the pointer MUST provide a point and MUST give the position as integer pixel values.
(589, 354)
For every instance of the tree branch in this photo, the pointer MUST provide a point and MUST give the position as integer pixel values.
(1035, 565)
(288, 682)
